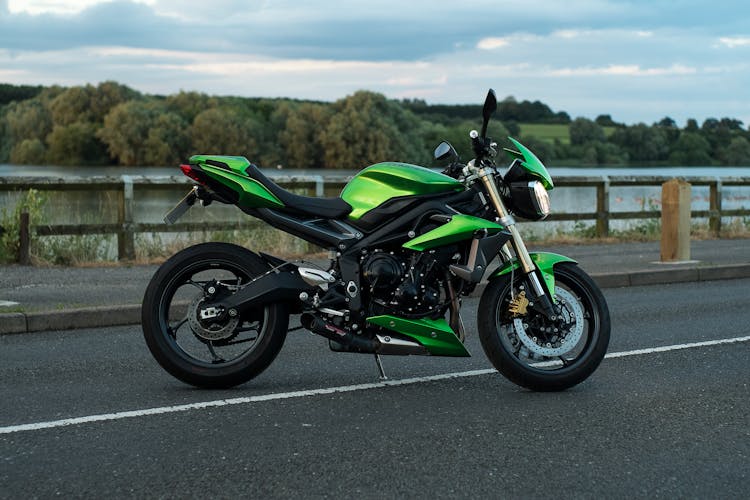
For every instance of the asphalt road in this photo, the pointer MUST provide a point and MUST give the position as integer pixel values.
(647, 424)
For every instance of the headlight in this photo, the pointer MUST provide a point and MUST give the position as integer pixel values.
(529, 199)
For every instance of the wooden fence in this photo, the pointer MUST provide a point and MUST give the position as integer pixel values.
(126, 227)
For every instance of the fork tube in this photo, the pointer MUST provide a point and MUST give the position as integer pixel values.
(509, 222)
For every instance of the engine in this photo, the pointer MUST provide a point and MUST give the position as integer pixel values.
(405, 283)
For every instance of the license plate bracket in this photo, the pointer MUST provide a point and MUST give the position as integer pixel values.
(182, 207)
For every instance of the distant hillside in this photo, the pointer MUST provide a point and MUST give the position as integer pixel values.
(112, 124)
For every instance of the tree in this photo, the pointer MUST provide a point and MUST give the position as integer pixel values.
(107, 95)
(738, 152)
(583, 131)
(168, 140)
(75, 144)
(642, 143)
(28, 152)
(126, 128)
(73, 105)
(366, 128)
(300, 137)
(224, 131)
(190, 104)
(606, 121)
(29, 119)
(691, 125)
(690, 149)
(10, 93)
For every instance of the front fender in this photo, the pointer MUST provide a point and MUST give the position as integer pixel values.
(545, 262)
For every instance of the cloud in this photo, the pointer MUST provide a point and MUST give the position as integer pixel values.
(734, 41)
(492, 43)
(629, 57)
(624, 70)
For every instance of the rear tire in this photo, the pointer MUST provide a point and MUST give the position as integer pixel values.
(211, 353)
(522, 347)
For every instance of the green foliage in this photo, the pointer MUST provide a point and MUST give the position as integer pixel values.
(75, 144)
(126, 130)
(189, 104)
(111, 123)
(168, 140)
(225, 131)
(29, 119)
(366, 128)
(10, 93)
(71, 250)
(300, 137)
(642, 143)
(583, 131)
(32, 202)
(691, 149)
(738, 152)
(29, 152)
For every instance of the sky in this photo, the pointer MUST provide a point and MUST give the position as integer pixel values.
(638, 61)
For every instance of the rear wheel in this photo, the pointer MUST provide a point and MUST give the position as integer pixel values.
(536, 352)
(204, 346)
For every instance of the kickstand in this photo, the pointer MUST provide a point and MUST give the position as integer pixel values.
(380, 367)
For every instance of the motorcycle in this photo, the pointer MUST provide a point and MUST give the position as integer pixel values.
(406, 243)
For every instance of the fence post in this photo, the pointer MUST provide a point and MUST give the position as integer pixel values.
(602, 208)
(675, 220)
(714, 219)
(24, 240)
(125, 236)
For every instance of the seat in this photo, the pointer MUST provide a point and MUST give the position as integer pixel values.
(327, 208)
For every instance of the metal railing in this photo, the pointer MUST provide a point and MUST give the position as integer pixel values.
(126, 227)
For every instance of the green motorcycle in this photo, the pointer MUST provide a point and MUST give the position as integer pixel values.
(406, 243)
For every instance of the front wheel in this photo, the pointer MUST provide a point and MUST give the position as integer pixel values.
(538, 353)
(202, 345)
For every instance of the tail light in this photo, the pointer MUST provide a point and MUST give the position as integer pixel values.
(192, 172)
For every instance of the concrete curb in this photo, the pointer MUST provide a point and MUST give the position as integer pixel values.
(104, 316)
(85, 317)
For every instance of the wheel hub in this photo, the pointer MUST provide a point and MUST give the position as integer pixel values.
(208, 323)
(558, 337)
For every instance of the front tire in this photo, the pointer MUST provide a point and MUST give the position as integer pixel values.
(534, 352)
(205, 351)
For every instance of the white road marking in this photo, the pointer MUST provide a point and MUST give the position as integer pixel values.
(7, 303)
(328, 390)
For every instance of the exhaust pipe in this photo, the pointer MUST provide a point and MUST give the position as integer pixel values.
(346, 340)
(343, 341)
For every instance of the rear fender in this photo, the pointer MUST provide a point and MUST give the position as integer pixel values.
(544, 261)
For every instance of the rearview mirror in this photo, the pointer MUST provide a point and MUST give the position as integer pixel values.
(444, 150)
(490, 106)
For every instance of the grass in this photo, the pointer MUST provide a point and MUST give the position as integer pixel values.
(546, 132)
(552, 132)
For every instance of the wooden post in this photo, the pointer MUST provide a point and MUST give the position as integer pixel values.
(602, 209)
(714, 219)
(125, 235)
(675, 221)
(24, 240)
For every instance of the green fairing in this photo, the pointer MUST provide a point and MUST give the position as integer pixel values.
(434, 334)
(381, 182)
(532, 164)
(545, 261)
(252, 193)
(461, 227)
(237, 164)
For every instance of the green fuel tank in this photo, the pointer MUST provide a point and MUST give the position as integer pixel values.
(381, 182)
